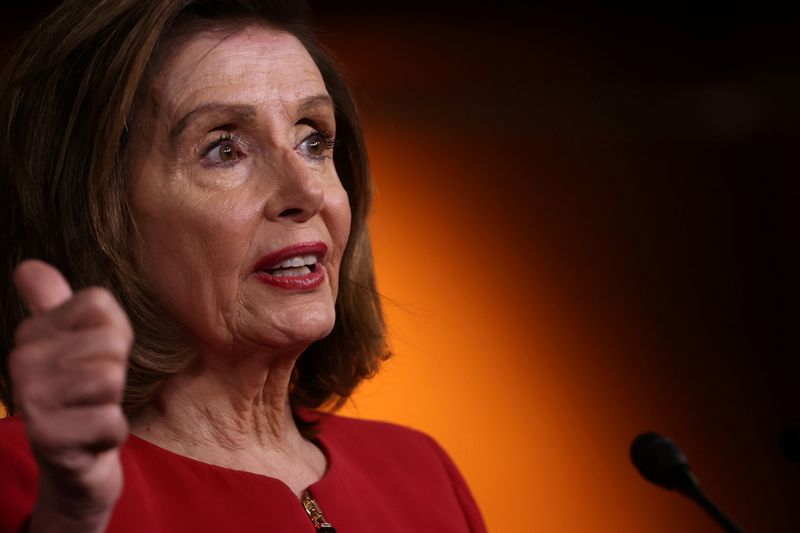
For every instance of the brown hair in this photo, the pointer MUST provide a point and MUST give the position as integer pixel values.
(68, 100)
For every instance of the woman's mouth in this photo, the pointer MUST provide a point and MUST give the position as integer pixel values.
(299, 265)
(296, 267)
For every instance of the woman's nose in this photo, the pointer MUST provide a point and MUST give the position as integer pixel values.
(299, 193)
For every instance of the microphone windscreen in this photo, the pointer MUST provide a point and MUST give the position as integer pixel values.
(658, 459)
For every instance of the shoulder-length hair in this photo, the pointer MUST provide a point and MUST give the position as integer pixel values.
(68, 102)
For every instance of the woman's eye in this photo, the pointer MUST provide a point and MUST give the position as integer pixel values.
(316, 144)
(223, 151)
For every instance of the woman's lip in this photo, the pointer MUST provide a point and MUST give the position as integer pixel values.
(271, 260)
(304, 282)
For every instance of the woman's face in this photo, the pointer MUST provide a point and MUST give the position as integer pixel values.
(242, 219)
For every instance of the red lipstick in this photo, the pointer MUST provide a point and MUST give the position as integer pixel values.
(266, 267)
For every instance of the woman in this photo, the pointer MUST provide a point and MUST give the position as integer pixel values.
(206, 283)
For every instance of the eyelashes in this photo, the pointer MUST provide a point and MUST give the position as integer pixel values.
(318, 144)
(226, 150)
(229, 148)
(330, 138)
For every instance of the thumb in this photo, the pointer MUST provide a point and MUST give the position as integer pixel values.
(41, 285)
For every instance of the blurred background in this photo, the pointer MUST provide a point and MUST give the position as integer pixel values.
(585, 227)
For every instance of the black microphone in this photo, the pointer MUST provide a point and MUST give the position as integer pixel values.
(660, 461)
(790, 443)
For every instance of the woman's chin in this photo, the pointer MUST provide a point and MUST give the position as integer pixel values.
(300, 328)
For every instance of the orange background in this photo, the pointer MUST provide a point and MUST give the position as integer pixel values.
(571, 251)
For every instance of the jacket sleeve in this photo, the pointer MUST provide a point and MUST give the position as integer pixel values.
(19, 476)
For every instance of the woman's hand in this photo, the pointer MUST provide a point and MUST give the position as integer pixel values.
(68, 372)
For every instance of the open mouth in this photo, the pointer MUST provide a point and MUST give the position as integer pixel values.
(296, 267)
(299, 265)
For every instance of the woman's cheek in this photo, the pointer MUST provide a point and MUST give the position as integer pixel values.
(339, 206)
(339, 228)
(214, 178)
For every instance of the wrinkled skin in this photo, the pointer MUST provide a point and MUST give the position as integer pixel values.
(250, 173)
(68, 370)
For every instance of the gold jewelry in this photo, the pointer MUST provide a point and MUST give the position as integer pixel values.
(315, 514)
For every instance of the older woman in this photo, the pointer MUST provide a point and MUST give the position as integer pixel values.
(193, 178)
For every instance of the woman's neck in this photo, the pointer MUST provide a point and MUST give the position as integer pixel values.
(236, 415)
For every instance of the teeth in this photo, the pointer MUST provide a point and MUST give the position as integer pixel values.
(297, 261)
(302, 271)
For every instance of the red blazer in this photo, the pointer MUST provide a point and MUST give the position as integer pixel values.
(380, 477)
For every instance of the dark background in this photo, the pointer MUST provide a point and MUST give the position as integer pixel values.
(653, 156)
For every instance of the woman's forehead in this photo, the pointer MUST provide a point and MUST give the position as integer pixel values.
(257, 66)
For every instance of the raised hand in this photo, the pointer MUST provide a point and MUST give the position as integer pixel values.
(68, 373)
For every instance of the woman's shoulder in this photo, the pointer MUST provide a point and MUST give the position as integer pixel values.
(363, 432)
(15, 451)
(12, 435)
(361, 427)
(371, 456)
(377, 444)
(18, 484)
(11, 425)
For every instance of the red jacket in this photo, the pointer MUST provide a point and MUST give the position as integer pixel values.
(380, 477)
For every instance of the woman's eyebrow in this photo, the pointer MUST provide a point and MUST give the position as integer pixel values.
(242, 112)
(237, 112)
(312, 102)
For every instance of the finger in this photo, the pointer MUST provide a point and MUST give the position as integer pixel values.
(91, 382)
(97, 390)
(76, 368)
(89, 428)
(41, 285)
(93, 307)
(99, 384)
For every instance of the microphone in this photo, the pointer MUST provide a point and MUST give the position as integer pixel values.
(660, 461)
(790, 443)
